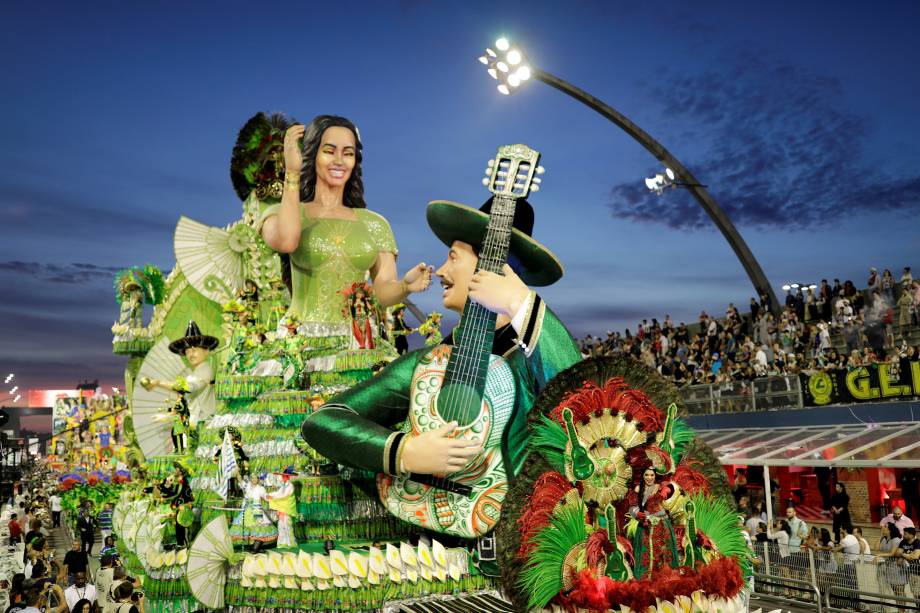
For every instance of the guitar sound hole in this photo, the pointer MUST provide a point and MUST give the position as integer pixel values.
(460, 403)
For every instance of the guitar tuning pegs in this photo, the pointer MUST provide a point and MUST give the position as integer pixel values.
(488, 172)
(491, 163)
(537, 180)
(540, 170)
(534, 188)
(485, 181)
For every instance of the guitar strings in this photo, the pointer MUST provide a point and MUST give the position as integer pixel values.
(493, 255)
(468, 371)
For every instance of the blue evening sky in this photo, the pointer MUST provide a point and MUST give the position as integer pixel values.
(120, 116)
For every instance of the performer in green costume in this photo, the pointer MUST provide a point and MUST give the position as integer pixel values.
(359, 427)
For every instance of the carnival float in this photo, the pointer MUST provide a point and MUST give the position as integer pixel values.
(618, 505)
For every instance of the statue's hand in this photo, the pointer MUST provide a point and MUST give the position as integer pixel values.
(435, 452)
(502, 294)
(418, 279)
(147, 383)
(293, 158)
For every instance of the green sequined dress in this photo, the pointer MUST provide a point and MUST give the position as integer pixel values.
(332, 255)
(268, 411)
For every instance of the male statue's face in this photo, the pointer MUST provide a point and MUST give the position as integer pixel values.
(455, 274)
(196, 355)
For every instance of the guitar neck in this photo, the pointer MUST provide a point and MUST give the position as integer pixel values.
(474, 335)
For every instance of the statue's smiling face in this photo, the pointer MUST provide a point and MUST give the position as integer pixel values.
(196, 355)
(456, 273)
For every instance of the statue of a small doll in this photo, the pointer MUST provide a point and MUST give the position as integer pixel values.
(194, 383)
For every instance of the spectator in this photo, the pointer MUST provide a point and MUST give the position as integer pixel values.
(35, 530)
(48, 599)
(79, 590)
(865, 551)
(16, 590)
(108, 548)
(840, 508)
(909, 551)
(739, 487)
(851, 548)
(104, 520)
(15, 530)
(910, 482)
(126, 601)
(105, 577)
(87, 528)
(83, 606)
(798, 529)
(891, 574)
(897, 518)
(56, 508)
(75, 561)
(873, 281)
(905, 311)
(40, 577)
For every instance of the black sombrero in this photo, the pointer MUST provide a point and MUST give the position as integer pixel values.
(452, 221)
(193, 338)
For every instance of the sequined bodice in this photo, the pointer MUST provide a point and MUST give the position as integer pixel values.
(333, 254)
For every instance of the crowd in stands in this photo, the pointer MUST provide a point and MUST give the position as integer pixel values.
(66, 585)
(875, 325)
(842, 557)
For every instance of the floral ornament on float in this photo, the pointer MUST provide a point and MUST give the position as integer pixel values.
(616, 511)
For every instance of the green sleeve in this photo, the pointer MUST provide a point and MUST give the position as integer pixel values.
(268, 212)
(548, 346)
(355, 427)
(379, 229)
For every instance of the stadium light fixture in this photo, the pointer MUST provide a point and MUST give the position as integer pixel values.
(508, 66)
(517, 64)
(9, 378)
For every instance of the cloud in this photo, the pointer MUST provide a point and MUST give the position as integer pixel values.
(72, 273)
(63, 212)
(776, 147)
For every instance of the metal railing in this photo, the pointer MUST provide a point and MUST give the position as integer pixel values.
(834, 582)
(763, 394)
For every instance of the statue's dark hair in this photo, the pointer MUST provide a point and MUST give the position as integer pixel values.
(312, 139)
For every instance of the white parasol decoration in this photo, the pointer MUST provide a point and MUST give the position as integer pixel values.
(208, 558)
(212, 258)
(152, 423)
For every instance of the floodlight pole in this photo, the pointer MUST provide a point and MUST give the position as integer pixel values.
(726, 227)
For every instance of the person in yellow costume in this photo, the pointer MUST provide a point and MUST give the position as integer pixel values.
(284, 503)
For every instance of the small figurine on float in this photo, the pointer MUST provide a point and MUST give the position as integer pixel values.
(284, 503)
(252, 526)
(361, 305)
(194, 384)
(237, 478)
(401, 330)
(180, 426)
(135, 287)
(176, 491)
(431, 329)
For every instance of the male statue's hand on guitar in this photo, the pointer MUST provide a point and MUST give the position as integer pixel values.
(500, 294)
(435, 453)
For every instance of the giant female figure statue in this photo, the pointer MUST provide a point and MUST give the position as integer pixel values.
(334, 241)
